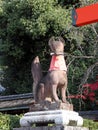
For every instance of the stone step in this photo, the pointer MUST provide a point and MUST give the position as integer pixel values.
(59, 127)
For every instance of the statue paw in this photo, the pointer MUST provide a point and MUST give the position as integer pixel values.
(59, 101)
(65, 101)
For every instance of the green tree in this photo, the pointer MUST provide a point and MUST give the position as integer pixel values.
(25, 28)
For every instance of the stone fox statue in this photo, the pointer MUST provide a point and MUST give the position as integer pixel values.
(56, 78)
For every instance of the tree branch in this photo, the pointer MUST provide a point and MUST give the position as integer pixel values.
(73, 56)
(86, 75)
(93, 27)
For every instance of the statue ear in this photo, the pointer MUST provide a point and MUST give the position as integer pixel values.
(50, 43)
(51, 40)
(62, 40)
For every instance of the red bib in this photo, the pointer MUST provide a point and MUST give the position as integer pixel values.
(58, 63)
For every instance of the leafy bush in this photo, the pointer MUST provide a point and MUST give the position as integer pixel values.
(8, 122)
(90, 124)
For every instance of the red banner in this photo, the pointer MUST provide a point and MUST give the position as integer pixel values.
(85, 15)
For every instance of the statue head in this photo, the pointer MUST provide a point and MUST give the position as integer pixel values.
(56, 44)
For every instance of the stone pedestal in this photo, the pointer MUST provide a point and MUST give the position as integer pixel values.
(58, 127)
(58, 117)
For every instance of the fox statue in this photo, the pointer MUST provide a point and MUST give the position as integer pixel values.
(46, 87)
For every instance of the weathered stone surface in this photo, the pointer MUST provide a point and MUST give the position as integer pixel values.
(46, 105)
(59, 127)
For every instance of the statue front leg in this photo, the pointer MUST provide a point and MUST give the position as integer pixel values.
(63, 90)
(63, 94)
(54, 93)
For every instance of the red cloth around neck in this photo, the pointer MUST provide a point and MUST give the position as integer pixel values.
(58, 63)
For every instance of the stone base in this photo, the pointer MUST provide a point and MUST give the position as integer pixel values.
(58, 117)
(46, 105)
(59, 127)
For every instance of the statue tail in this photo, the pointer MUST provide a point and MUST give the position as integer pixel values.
(37, 75)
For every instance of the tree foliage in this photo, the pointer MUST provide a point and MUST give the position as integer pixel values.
(25, 28)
